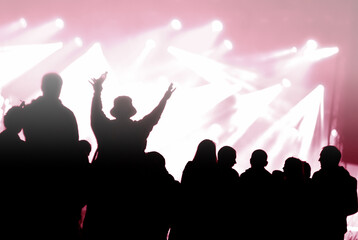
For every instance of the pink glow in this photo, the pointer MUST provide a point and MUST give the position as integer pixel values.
(246, 72)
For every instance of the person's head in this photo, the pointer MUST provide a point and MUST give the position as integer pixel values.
(330, 157)
(293, 168)
(258, 159)
(13, 119)
(206, 153)
(122, 107)
(155, 160)
(227, 156)
(85, 147)
(51, 85)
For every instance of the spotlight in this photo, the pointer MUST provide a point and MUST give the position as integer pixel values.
(59, 23)
(23, 22)
(78, 41)
(176, 24)
(286, 83)
(228, 44)
(334, 133)
(217, 26)
(311, 45)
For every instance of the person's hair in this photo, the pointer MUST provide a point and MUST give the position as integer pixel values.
(156, 159)
(293, 166)
(258, 158)
(206, 153)
(51, 85)
(331, 155)
(13, 119)
(226, 153)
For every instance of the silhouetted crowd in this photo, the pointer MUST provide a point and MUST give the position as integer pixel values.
(47, 180)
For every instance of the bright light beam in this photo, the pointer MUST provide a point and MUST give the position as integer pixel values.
(297, 126)
(16, 60)
(11, 28)
(40, 34)
(249, 108)
(209, 69)
(322, 53)
(278, 54)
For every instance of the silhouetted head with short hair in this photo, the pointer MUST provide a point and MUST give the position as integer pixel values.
(51, 85)
(227, 157)
(13, 119)
(156, 159)
(293, 168)
(330, 157)
(258, 159)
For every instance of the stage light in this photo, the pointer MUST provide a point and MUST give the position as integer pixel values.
(334, 133)
(176, 24)
(286, 83)
(23, 22)
(311, 45)
(78, 41)
(217, 26)
(59, 23)
(228, 44)
(293, 50)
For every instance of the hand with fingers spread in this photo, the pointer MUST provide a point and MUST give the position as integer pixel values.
(97, 83)
(169, 92)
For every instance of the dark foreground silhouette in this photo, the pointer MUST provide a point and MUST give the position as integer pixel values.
(47, 179)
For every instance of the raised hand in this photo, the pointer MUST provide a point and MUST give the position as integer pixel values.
(97, 83)
(169, 92)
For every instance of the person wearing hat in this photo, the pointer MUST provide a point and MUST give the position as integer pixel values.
(117, 205)
(122, 139)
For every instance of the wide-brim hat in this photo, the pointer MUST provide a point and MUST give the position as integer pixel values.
(122, 106)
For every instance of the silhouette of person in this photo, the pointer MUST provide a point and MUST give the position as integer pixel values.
(336, 195)
(12, 175)
(226, 161)
(51, 134)
(12, 148)
(295, 205)
(122, 140)
(199, 201)
(115, 205)
(161, 198)
(49, 126)
(256, 187)
(306, 172)
(228, 180)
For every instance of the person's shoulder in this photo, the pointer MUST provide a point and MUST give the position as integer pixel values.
(317, 174)
(33, 104)
(64, 108)
(189, 164)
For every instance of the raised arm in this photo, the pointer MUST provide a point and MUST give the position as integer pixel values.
(98, 118)
(153, 118)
